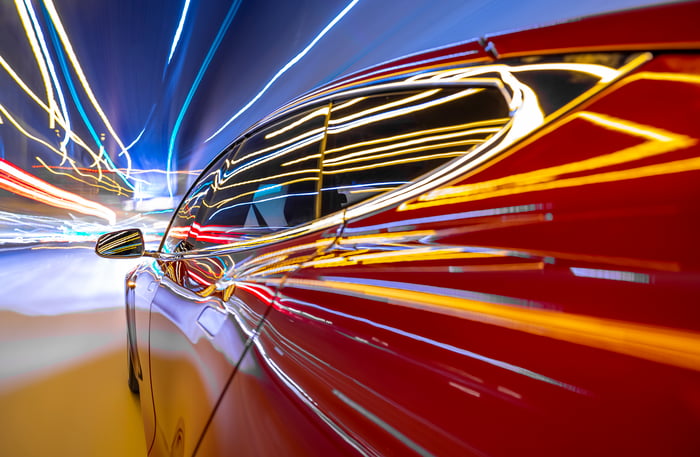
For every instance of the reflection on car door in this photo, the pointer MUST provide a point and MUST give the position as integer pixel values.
(232, 222)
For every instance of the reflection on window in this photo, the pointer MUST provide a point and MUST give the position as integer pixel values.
(270, 184)
(378, 143)
(184, 219)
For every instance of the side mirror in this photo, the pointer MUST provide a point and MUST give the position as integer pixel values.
(123, 244)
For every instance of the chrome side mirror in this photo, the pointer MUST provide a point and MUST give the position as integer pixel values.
(122, 244)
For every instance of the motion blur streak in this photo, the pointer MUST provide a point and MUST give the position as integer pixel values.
(200, 74)
(176, 39)
(26, 185)
(657, 142)
(658, 344)
(287, 66)
(51, 9)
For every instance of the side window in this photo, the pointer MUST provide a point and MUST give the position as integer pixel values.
(183, 222)
(271, 183)
(377, 143)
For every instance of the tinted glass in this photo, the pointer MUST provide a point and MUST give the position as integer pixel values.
(271, 184)
(378, 143)
(176, 240)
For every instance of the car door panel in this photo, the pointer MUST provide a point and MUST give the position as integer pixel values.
(513, 310)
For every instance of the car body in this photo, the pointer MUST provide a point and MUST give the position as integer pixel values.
(484, 249)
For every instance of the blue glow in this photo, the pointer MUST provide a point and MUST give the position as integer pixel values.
(269, 190)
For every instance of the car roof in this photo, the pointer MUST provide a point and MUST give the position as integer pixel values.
(661, 27)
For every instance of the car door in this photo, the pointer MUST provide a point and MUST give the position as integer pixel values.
(288, 395)
(261, 193)
(541, 303)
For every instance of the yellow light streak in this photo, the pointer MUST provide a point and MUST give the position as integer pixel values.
(371, 153)
(385, 106)
(657, 142)
(55, 18)
(301, 159)
(319, 112)
(397, 162)
(347, 104)
(58, 118)
(39, 57)
(660, 76)
(217, 187)
(301, 144)
(654, 343)
(398, 112)
(108, 184)
(19, 127)
(222, 202)
(451, 128)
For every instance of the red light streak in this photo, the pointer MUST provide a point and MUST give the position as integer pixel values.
(19, 182)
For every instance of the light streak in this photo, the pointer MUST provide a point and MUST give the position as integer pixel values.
(106, 182)
(22, 183)
(386, 106)
(443, 155)
(679, 348)
(287, 66)
(180, 25)
(371, 154)
(51, 10)
(405, 136)
(38, 56)
(54, 76)
(297, 142)
(195, 85)
(49, 146)
(319, 112)
(658, 142)
(277, 154)
(399, 112)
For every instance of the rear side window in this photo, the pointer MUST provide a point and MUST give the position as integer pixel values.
(270, 184)
(377, 143)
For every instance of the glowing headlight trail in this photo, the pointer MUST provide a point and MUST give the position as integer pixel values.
(22, 183)
(289, 65)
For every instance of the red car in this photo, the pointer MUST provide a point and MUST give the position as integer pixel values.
(489, 249)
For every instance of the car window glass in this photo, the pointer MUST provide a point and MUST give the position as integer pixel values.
(377, 143)
(271, 183)
(176, 238)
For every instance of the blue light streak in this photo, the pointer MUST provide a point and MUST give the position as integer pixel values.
(289, 65)
(212, 50)
(76, 98)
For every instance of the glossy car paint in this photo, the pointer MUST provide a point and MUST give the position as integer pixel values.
(540, 301)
